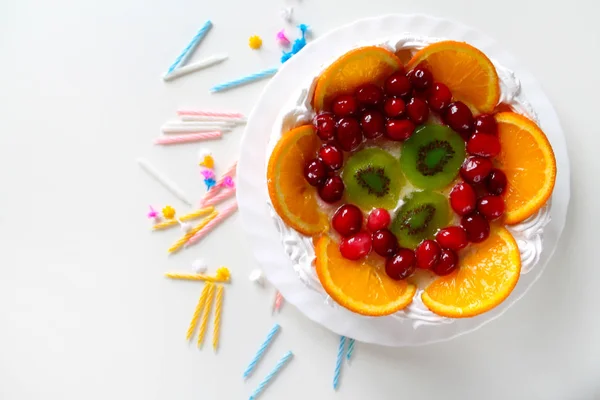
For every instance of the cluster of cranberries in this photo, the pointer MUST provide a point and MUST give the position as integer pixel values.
(393, 112)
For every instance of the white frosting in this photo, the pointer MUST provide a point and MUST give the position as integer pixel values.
(300, 249)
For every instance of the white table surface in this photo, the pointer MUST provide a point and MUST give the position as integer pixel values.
(85, 312)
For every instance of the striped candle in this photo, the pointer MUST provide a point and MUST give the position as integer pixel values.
(338, 362)
(189, 49)
(199, 113)
(271, 375)
(231, 171)
(222, 196)
(261, 350)
(244, 80)
(188, 138)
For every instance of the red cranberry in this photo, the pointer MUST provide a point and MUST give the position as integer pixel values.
(332, 189)
(448, 263)
(462, 198)
(369, 94)
(491, 207)
(393, 107)
(315, 172)
(439, 97)
(356, 247)
(324, 123)
(428, 254)
(347, 220)
(477, 227)
(401, 265)
(417, 110)
(332, 156)
(496, 181)
(459, 117)
(421, 78)
(475, 169)
(452, 237)
(484, 144)
(373, 124)
(399, 129)
(385, 243)
(486, 123)
(397, 84)
(344, 105)
(348, 134)
(378, 219)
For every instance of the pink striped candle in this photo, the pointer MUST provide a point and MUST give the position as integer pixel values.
(212, 224)
(219, 185)
(210, 114)
(188, 138)
(221, 196)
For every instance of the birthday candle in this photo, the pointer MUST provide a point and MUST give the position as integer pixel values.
(197, 66)
(244, 80)
(189, 138)
(224, 214)
(197, 311)
(163, 180)
(183, 240)
(195, 127)
(338, 362)
(278, 301)
(223, 195)
(206, 314)
(351, 343)
(276, 369)
(201, 113)
(200, 118)
(189, 49)
(217, 322)
(188, 217)
(261, 350)
(231, 171)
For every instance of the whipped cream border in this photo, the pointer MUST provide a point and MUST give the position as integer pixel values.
(300, 249)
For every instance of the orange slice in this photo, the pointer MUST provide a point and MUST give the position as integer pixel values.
(360, 286)
(468, 73)
(528, 161)
(293, 198)
(487, 273)
(370, 64)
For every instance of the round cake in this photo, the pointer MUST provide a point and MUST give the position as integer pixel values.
(409, 179)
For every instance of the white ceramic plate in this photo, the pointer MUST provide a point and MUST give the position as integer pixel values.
(252, 193)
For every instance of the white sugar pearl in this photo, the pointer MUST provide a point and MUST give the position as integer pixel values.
(257, 277)
(199, 266)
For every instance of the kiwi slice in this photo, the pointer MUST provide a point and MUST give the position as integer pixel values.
(432, 156)
(373, 179)
(420, 217)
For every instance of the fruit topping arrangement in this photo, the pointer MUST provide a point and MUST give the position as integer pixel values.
(413, 170)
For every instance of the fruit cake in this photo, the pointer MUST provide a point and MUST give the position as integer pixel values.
(408, 178)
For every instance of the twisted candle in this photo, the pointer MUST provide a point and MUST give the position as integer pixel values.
(211, 114)
(197, 311)
(198, 277)
(217, 321)
(223, 195)
(244, 80)
(278, 301)
(201, 118)
(261, 350)
(224, 214)
(189, 138)
(338, 363)
(188, 217)
(183, 240)
(189, 49)
(280, 364)
(197, 66)
(351, 343)
(206, 314)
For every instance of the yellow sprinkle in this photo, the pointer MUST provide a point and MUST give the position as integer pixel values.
(217, 321)
(183, 240)
(208, 162)
(197, 311)
(205, 314)
(168, 212)
(255, 42)
(187, 217)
